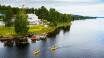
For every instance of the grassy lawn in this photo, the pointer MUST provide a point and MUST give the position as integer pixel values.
(36, 29)
(7, 31)
(63, 24)
(39, 29)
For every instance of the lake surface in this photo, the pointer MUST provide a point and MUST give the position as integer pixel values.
(84, 40)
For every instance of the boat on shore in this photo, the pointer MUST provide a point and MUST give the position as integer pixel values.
(39, 37)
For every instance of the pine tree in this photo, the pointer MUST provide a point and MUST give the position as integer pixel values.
(21, 23)
(8, 17)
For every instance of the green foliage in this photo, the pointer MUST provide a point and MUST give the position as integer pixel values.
(55, 19)
(1, 17)
(21, 22)
(40, 29)
(10, 12)
(29, 10)
(52, 16)
(42, 12)
(3, 9)
(7, 31)
(8, 18)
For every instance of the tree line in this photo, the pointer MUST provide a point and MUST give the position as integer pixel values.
(10, 12)
(43, 13)
(56, 17)
(14, 10)
(20, 16)
(52, 15)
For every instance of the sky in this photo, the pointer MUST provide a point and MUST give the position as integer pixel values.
(78, 7)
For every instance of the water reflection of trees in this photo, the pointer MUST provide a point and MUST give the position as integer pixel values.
(57, 30)
(43, 49)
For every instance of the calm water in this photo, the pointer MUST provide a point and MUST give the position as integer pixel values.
(84, 40)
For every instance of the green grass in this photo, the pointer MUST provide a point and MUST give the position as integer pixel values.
(63, 24)
(39, 29)
(36, 29)
(7, 31)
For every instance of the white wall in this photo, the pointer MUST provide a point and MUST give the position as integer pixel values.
(33, 19)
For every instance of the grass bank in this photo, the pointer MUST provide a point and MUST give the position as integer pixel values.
(36, 29)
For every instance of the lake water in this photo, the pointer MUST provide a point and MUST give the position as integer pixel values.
(84, 40)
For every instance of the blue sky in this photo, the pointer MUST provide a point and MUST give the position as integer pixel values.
(79, 7)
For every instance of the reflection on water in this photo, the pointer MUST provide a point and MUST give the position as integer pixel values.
(84, 40)
(1, 44)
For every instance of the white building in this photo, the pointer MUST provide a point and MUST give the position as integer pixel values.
(1, 22)
(33, 19)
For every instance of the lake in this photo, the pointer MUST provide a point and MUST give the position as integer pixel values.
(84, 40)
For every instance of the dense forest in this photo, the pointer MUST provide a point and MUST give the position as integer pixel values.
(43, 13)
(56, 17)
(5, 9)
(52, 15)
(16, 20)
(10, 12)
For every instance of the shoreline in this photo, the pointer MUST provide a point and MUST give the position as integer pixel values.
(52, 30)
(57, 29)
(23, 40)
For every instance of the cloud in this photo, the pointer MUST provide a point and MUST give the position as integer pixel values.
(80, 7)
(83, 9)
